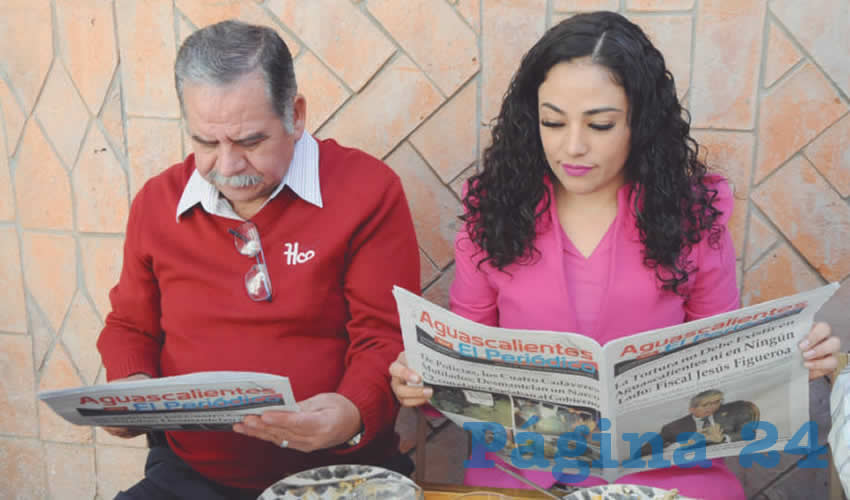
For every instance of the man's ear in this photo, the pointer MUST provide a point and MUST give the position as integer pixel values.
(299, 115)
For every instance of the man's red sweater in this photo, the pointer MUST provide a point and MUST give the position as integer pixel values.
(181, 306)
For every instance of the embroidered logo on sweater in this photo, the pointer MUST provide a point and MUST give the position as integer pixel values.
(293, 256)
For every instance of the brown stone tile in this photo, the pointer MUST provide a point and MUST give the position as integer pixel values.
(404, 96)
(22, 469)
(830, 153)
(324, 93)
(86, 30)
(79, 334)
(761, 238)
(444, 455)
(101, 258)
(519, 24)
(147, 50)
(672, 35)
(810, 214)
(7, 203)
(118, 468)
(807, 100)
(447, 140)
(357, 48)
(405, 426)
(781, 54)
(26, 46)
(13, 116)
(438, 291)
(112, 117)
(59, 373)
(50, 273)
(731, 154)
(42, 334)
(100, 187)
(433, 205)
(779, 273)
(820, 26)
(152, 146)
(471, 11)
(726, 61)
(70, 471)
(13, 313)
(17, 384)
(800, 483)
(427, 270)
(659, 5)
(449, 54)
(754, 478)
(584, 5)
(42, 187)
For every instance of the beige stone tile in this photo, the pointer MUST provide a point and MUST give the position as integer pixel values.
(471, 11)
(660, 4)
(399, 99)
(781, 272)
(79, 334)
(323, 92)
(7, 199)
(62, 114)
(820, 26)
(17, 388)
(22, 469)
(830, 154)
(184, 29)
(459, 181)
(70, 471)
(807, 101)
(26, 46)
(103, 437)
(153, 145)
(438, 291)
(449, 54)
(118, 468)
(432, 204)
(59, 373)
(42, 186)
(42, 334)
(100, 187)
(519, 24)
(810, 214)
(760, 239)
(147, 50)
(447, 140)
(13, 116)
(671, 34)
(50, 273)
(781, 54)
(101, 258)
(427, 270)
(13, 313)
(584, 5)
(357, 48)
(86, 30)
(726, 62)
(112, 117)
(731, 154)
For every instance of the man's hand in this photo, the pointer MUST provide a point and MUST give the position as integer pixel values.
(125, 432)
(713, 434)
(819, 348)
(325, 420)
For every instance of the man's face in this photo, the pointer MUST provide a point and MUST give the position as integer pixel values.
(240, 143)
(707, 406)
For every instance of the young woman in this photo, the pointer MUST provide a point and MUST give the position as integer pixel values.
(593, 214)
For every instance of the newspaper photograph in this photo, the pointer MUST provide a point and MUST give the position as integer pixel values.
(674, 396)
(205, 401)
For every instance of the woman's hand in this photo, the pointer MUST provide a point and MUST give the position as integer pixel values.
(408, 395)
(819, 348)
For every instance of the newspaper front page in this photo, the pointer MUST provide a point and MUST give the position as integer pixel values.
(674, 396)
(195, 402)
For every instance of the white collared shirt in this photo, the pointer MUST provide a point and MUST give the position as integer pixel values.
(302, 177)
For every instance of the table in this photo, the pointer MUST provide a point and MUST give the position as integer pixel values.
(436, 491)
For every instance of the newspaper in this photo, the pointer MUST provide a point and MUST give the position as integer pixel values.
(198, 401)
(560, 401)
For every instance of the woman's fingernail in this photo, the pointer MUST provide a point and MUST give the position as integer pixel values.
(809, 354)
(428, 392)
(414, 379)
(804, 345)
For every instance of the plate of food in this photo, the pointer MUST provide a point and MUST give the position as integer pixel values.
(625, 492)
(332, 482)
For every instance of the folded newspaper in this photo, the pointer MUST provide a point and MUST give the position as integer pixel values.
(194, 402)
(729, 384)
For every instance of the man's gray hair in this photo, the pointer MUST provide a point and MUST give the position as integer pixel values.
(695, 401)
(222, 53)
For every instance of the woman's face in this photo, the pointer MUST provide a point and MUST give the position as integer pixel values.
(584, 128)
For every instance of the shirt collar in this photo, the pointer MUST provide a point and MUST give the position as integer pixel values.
(302, 177)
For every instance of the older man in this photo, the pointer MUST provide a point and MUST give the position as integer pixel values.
(265, 250)
(717, 422)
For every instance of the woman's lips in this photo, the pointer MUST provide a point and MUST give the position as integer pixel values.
(575, 170)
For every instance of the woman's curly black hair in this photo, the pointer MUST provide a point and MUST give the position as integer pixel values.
(673, 206)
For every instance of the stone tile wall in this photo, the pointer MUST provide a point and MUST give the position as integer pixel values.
(88, 113)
